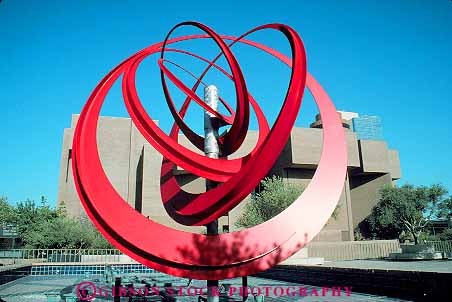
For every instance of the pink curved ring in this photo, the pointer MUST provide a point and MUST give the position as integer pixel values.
(226, 255)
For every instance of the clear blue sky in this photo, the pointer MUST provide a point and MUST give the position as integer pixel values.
(386, 58)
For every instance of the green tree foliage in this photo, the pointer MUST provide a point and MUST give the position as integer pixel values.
(274, 197)
(41, 226)
(64, 232)
(406, 209)
(29, 214)
(445, 209)
(446, 235)
(8, 213)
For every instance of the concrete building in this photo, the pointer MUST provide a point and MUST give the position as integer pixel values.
(133, 167)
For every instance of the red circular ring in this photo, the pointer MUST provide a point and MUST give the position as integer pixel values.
(245, 252)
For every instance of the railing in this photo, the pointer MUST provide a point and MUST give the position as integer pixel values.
(351, 250)
(65, 255)
(345, 250)
(442, 246)
(341, 250)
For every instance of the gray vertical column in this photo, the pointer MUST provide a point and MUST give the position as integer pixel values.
(212, 150)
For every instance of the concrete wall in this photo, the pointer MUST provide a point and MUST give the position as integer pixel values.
(364, 194)
(403, 284)
(133, 167)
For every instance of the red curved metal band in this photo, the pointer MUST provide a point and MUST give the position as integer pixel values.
(214, 203)
(226, 119)
(228, 107)
(233, 139)
(173, 196)
(226, 255)
(195, 139)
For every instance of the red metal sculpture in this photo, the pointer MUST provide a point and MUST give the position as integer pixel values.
(211, 256)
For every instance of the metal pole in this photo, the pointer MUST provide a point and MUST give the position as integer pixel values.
(244, 288)
(212, 150)
(117, 291)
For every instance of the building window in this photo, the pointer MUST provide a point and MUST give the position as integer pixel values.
(69, 163)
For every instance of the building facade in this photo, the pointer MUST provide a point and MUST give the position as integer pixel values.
(133, 167)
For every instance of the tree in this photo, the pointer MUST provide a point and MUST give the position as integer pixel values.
(50, 234)
(43, 227)
(64, 232)
(275, 196)
(8, 213)
(406, 209)
(446, 235)
(445, 209)
(28, 214)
